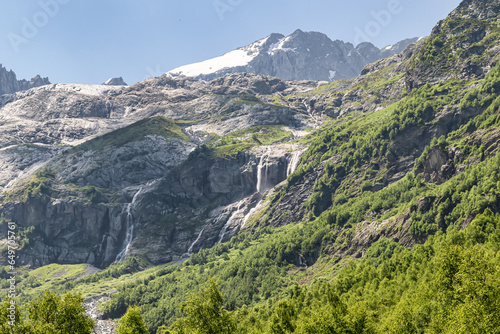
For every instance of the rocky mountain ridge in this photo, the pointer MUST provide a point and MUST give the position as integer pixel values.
(115, 82)
(299, 56)
(9, 83)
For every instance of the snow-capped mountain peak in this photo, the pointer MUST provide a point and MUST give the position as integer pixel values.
(299, 56)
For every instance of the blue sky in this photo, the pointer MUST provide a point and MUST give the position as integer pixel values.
(89, 41)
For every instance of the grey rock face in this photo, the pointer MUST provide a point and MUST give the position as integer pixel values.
(9, 83)
(120, 167)
(68, 231)
(207, 201)
(299, 56)
(18, 162)
(477, 9)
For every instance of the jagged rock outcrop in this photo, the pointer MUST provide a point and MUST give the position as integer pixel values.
(102, 326)
(474, 9)
(9, 83)
(207, 201)
(67, 230)
(202, 197)
(437, 167)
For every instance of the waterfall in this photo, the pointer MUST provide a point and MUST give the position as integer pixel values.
(130, 228)
(250, 213)
(247, 216)
(229, 221)
(310, 113)
(294, 162)
(262, 181)
(190, 250)
(259, 174)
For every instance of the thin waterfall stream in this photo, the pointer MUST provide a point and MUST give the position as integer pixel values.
(130, 228)
(190, 250)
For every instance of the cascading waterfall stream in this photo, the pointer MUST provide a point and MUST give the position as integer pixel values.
(310, 113)
(229, 221)
(130, 228)
(190, 249)
(294, 162)
(251, 212)
(262, 181)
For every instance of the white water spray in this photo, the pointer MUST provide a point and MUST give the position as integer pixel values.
(294, 162)
(247, 216)
(262, 179)
(310, 113)
(190, 250)
(229, 221)
(130, 228)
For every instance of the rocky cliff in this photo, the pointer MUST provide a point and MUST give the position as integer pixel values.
(9, 83)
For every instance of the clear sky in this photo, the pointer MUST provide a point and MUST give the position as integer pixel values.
(89, 41)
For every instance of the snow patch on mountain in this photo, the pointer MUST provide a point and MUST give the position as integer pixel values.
(239, 57)
(279, 46)
(332, 74)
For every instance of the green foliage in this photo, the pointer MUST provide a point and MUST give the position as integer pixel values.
(254, 267)
(31, 282)
(247, 99)
(242, 140)
(449, 285)
(132, 322)
(446, 47)
(263, 134)
(11, 318)
(365, 144)
(59, 314)
(163, 330)
(49, 314)
(205, 314)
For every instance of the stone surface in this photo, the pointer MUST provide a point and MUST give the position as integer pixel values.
(9, 83)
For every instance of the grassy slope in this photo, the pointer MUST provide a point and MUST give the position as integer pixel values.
(159, 126)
